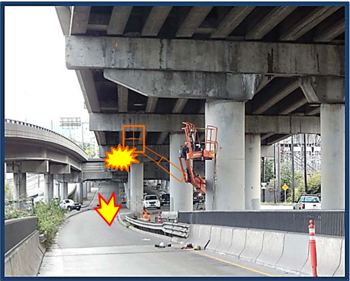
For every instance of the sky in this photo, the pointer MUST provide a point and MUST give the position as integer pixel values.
(39, 89)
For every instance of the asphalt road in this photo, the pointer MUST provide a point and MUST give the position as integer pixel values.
(87, 246)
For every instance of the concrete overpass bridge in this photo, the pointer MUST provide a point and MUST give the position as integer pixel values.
(33, 149)
(258, 73)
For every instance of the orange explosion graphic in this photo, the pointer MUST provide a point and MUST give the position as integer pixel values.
(121, 158)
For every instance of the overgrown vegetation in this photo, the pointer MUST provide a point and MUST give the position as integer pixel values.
(50, 218)
(8, 191)
(13, 213)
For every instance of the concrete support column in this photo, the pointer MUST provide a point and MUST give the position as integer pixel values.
(229, 117)
(181, 193)
(163, 185)
(89, 186)
(48, 187)
(64, 190)
(252, 172)
(210, 182)
(136, 188)
(20, 180)
(333, 156)
(85, 189)
(168, 186)
(80, 192)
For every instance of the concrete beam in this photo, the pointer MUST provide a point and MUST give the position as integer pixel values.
(331, 32)
(324, 89)
(281, 94)
(100, 137)
(37, 167)
(153, 122)
(28, 166)
(162, 137)
(308, 22)
(79, 19)
(269, 22)
(87, 85)
(123, 96)
(276, 139)
(231, 21)
(155, 20)
(239, 87)
(95, 52)
(64, 16)
(267, 151)
(162, 150)
(313, 111)
(255, 124)
(293, 106)
(151, 104)
(119, 19)
(179, 105)
(265, 136)
(60, 169)
(72, 177)
(193, 20)
(282, 124)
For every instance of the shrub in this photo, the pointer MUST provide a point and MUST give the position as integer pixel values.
(50, 218)
(13, 213)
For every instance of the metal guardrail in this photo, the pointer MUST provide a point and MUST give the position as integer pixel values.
(11, 121)
(326, 222)
(172, 229)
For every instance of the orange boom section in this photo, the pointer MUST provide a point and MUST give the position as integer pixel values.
(195, 149)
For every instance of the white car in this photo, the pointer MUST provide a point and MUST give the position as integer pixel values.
(151, 201)
(70, 205)
(308, 202)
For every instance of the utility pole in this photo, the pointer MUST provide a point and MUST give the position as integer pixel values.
(293, 183)
(305, 171)
(279, 166)
(274, 173)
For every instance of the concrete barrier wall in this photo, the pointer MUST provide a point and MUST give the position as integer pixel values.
(25, 258)
(281, 250)
(238, 242)
(341, 269)
(215, 237)
(295, 252)
(253, 245)
(18, 229)
(203, 236)
(328, 256)
(272, 248)
(225, 239)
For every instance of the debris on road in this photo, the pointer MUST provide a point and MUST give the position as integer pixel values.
(188, 246)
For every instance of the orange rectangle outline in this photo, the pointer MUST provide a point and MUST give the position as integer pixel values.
(158, 163)
(143, 141)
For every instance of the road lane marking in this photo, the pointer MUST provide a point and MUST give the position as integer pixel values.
(235, 264)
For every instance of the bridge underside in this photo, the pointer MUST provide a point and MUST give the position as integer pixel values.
(260, 74)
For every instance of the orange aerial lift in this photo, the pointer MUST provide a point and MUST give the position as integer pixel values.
(194, 149)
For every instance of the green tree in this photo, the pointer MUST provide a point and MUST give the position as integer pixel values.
(8, 191)
(268, 171)
(314, 184)
(89, 150)
(286, 178)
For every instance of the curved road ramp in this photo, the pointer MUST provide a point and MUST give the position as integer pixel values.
(23, 251)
